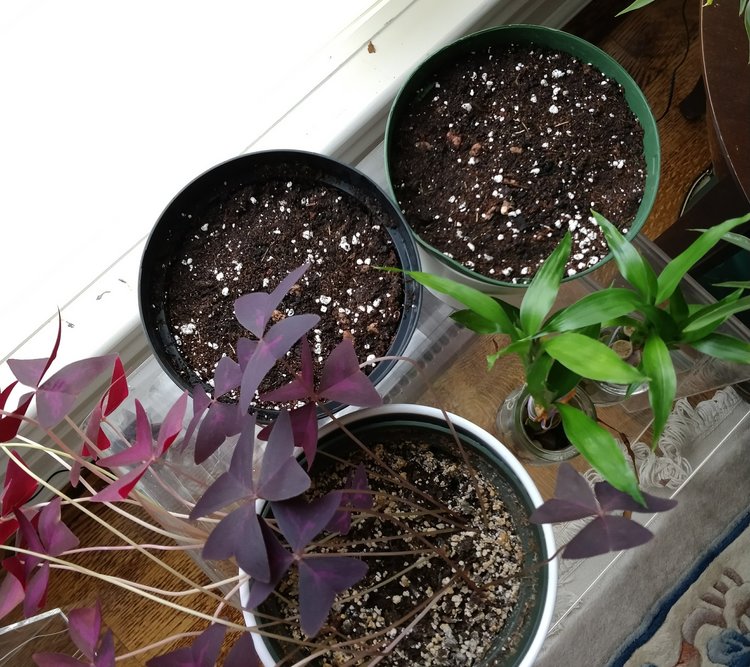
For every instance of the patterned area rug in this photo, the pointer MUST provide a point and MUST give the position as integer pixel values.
(697, 567)
(705, 619)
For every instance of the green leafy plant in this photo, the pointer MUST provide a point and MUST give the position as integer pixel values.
(559, 349)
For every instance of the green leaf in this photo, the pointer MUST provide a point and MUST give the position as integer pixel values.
(662, 386)
(678, 307)
(741, 284)
(634, 5)
(542, 291)
(724, 347)
(594, 308)
(716, 314)
(476, 323)
(591, 359)
(738, 240)
(600, 449)
(676, 269)
(634, 268)
(561, 380)
(662, 321)
(482, 304)
(519, 347)
(536, 378)
(730, 237)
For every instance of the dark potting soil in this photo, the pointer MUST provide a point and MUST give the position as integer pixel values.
(464, 618)
(507, 150)
(257, 234)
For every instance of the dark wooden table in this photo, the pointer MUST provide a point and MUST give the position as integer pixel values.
(726, 76)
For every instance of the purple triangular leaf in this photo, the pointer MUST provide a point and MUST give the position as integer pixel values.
(201, 401)
(279, 562)
(281, 475)
(301, 522)
(320, 580)
(9, 424)
(341, 521)
(228, 376)
(573, 499)
(121, 487)
(55, 535)
(572, 486)
(245, 351)
(305, 429)
(11, 594)
(226, 490)
(221, 421)
(172, 424)
(18, 486)
(288, 393)
(281, 290)
(36, 591)
(84, 625)
(243, 653)
(611, 499)
(32, 366)
(278, 341)
(204, 651)
(30, 541)
(52, 407)
(343, 381)
(302, 387)
(57, 395)
(141, 450)
(254, 310)
(105, 655)
(358, 480)
(289, 481)
(28, 371)
(238, 534)
(237, 482)
(605, 534)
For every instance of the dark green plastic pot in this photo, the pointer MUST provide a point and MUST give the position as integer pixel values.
(420, 83)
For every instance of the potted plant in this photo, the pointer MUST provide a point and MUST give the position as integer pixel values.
(245, 224)
(560, 348)
(499, 144)
(317, 540)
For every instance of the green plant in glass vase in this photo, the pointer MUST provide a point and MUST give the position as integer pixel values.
(560, 348)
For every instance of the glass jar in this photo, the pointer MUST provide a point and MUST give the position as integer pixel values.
(533, 448)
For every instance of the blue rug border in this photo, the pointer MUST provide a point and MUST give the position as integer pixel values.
(656, 618)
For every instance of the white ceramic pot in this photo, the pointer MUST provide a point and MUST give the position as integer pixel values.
(513, 472)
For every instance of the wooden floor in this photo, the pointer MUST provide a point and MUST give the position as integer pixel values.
(651, 44)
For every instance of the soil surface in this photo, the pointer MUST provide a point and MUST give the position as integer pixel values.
(509, 148)
(253, 238)
(487, 604)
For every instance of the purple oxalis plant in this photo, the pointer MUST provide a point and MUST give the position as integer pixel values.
(84, 627)
(574, 499)
(261, 475)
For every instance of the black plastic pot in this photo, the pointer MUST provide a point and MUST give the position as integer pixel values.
(212, 186)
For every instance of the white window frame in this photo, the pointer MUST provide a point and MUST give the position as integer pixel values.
(342, 114)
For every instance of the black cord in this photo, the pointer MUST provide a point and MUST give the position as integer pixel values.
(48, 480)
(680, 64)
